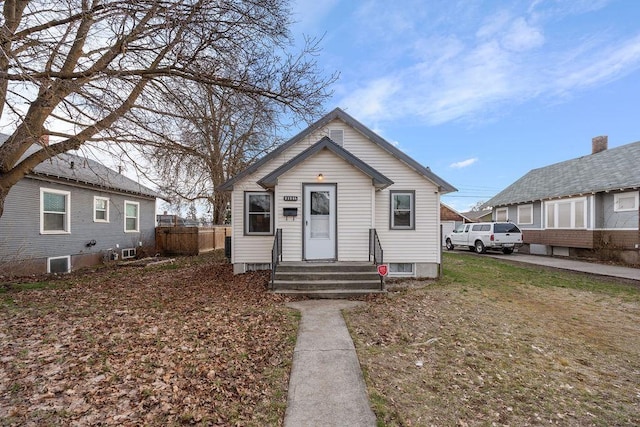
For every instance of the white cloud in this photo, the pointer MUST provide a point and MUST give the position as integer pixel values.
(463, 163)
(470, 73)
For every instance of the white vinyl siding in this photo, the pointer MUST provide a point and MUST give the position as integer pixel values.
(100, 209)
(625, 202)
(357, 211)
(55, 208)
(525, 214)
(131, 217)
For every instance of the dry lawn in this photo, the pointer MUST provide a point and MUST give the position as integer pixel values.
(497, 344)
(185, 343)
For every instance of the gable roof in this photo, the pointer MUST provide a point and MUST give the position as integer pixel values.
(338, 113)
(379, 180)
(72, 168)
(612, 169)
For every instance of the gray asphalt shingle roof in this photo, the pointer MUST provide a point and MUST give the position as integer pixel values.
(613, 169)
(86, 171)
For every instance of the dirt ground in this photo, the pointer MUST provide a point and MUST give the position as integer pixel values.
(496, 344)
(174, 344)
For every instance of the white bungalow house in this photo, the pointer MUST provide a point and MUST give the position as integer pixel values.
(335, 193)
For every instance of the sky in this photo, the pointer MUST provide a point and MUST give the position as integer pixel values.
(482, 91)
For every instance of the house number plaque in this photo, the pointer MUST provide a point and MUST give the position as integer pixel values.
(290, 198)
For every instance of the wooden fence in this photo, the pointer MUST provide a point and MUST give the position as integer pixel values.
(190, 240)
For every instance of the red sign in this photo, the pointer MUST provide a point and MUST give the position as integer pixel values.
(383, 269)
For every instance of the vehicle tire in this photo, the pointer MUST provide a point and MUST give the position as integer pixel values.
(449, 245)
(507, 251)
(472, 248)
(479, 246)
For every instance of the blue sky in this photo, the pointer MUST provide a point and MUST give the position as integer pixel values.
(483, 91)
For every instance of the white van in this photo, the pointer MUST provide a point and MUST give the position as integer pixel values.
(480, 236)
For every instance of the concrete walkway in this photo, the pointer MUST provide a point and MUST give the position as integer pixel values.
(326, 387)
(569, 264)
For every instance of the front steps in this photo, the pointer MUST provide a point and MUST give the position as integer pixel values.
(327, 279)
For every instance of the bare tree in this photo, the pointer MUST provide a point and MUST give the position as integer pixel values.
(220, 132)
(97, 71)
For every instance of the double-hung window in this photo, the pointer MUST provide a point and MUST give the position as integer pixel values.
(54, 211)
(525, 214)
(403, 210)
(502, 214)
(100, 209)
(258, 218)
(131, 217)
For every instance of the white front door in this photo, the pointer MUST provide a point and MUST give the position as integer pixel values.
(319, 222)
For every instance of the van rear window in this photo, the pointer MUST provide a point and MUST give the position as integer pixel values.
(505, 228)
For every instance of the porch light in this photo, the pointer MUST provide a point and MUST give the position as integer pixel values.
(320, 177)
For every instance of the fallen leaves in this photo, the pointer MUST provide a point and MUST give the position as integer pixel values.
(193, 344)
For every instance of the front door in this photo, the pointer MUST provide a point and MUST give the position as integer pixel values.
(319, 222)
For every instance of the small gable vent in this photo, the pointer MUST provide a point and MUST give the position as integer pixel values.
(337, 136)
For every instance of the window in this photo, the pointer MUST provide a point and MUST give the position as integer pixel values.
(402, 210)
(567, 213)
(258, 218)
(505, 228)
(54, 211)
(131, 217)
(625, 202)
(128, 253)
(100, 209)
(401, 269)
(481, 227)
(525, 214)
(502, 214)
(59, 264)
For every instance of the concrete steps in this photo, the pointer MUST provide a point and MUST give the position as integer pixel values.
(327, 279)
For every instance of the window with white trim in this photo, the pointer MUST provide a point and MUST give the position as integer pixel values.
(258, 218)
(128, 253)
(502, 214)
(623, 202)
(525, 214)
(100, 209)
(131, 217)
(401, 269)
(403, 210)
(566, 213)
(54, 211)
(61, 264)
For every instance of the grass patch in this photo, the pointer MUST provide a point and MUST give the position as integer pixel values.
(493, 343)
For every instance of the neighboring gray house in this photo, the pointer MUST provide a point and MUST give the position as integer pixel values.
(72, 212)
(582, 207)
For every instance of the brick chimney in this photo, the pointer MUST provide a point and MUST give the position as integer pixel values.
(599, 143)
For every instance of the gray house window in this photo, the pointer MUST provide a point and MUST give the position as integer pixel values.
(131, 217)
(403, 210)
(100, 209)
(60, 264)
(258, 219)
(54, 211)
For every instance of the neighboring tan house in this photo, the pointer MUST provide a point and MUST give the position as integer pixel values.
(582, 207)
(72, 212)
(449, 220)
(330, 194)
(484, 215)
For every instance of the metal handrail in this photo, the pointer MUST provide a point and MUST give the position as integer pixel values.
(375, 251)
(375, 248)
(276, 254)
